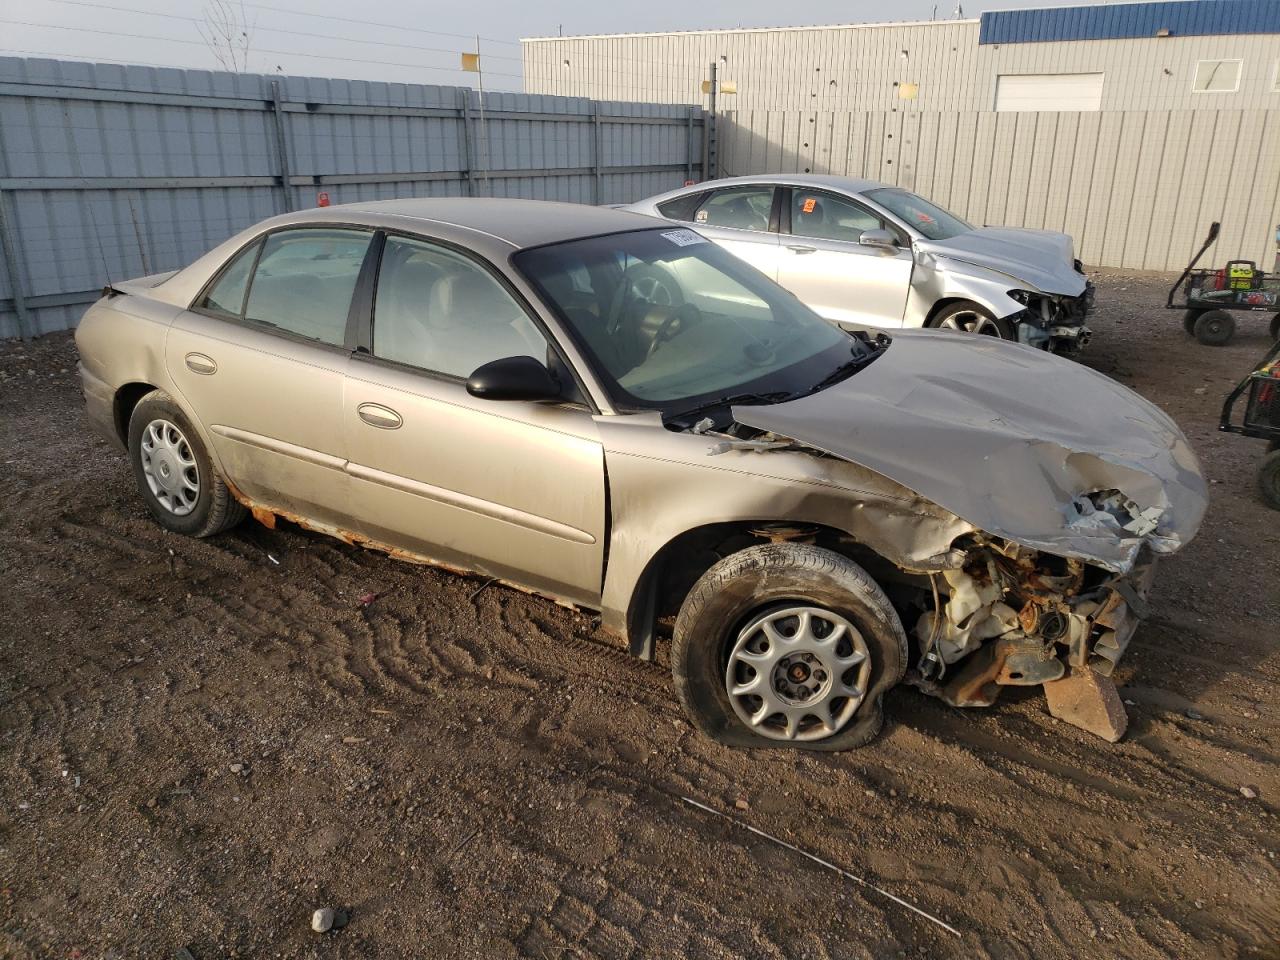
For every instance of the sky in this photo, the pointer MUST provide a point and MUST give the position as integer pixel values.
(399, 40)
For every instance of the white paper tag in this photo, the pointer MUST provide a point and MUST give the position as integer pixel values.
(684, 238)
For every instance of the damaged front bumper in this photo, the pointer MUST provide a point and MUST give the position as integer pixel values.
(1054, 323)
(1007, 620)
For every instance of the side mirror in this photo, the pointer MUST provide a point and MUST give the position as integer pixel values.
(878, 238)
(514, 378)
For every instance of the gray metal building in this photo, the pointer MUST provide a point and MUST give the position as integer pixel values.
(1183, 55)
(1128, 126)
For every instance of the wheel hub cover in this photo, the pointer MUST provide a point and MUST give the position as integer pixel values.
(798, 673)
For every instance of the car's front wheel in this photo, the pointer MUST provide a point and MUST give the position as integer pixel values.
(787, 645)
(965, 316)
(174, 473)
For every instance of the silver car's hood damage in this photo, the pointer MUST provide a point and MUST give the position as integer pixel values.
(1039, 258)
(1023, 445)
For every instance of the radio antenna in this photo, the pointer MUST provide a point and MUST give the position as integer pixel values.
(101, 251)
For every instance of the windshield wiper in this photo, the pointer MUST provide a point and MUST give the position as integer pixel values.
(846, 369)
(774, 396)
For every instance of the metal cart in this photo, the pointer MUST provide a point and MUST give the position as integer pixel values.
(1261, 419)
(1209, 297)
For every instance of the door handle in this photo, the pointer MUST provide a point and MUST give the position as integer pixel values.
(801, 248)
(376, 415)
(199, 363)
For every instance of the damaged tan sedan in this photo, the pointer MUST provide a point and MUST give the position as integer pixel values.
(612, 412)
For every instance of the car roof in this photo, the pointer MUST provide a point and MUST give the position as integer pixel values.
(520, 223)
(847, 184)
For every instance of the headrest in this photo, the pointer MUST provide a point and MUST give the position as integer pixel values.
(469, 298)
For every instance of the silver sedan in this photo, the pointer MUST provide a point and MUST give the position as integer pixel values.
(615, 413)
(861, 253)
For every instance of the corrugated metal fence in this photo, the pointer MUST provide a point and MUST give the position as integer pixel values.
(116, 172)
(1135, 189)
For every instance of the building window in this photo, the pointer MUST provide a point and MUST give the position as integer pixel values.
(1073, 92)
(1217, 76)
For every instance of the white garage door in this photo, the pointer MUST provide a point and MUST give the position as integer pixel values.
(1049, 91)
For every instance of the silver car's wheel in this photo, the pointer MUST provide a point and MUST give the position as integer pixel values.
(964, 316)
(169, 466)
(970, 321)
(798, 673)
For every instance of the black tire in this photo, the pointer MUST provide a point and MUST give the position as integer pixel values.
(760, 578)
(1269, 479)
(1214, 328)
(1275, 327)
(1189, 321)
(214, 509)
(956, 316)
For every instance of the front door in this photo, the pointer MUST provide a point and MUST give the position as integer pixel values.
(823, 264)
(506, 488)
(260, 359)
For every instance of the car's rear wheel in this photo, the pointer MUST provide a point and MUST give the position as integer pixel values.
(787, 645)
(174, 473)
(1215, 327)
(965, 316)
(1189, 321)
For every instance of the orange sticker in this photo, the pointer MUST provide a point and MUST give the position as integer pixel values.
(808, 205)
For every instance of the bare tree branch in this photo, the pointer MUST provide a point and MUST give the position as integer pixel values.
(227, 32)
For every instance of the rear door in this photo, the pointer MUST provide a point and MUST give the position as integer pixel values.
(743, 220)
(822, 263)
(259, 361)
(508, 488)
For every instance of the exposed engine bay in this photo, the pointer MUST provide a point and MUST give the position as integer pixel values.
(1015, 617)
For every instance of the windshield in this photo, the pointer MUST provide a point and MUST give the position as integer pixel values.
(672, 321)
(919, 214)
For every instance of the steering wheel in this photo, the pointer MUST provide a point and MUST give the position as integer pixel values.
(646, 282)
(685, 316)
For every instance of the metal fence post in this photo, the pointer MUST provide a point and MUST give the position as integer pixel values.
(688, 143)
(711, 131)
(282, 145)
(468, 147)
(10, 252)
(596, 150)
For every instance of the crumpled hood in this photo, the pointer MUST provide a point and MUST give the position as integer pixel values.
(1013, 440)
(1040, 258)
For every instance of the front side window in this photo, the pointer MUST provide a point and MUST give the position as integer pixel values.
(742, 208)
(822, 216)
(226, 296)
(305, 279)
(918, 213)
(671, 320)
(440, 311)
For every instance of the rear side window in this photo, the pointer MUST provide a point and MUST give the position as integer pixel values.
(304, 282)
(742, 208)
(226, 296)
(826, 217)
(681, 208)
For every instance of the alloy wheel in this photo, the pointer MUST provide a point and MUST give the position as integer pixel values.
(970, 321)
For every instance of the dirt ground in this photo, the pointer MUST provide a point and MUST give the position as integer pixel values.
(203, 741)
